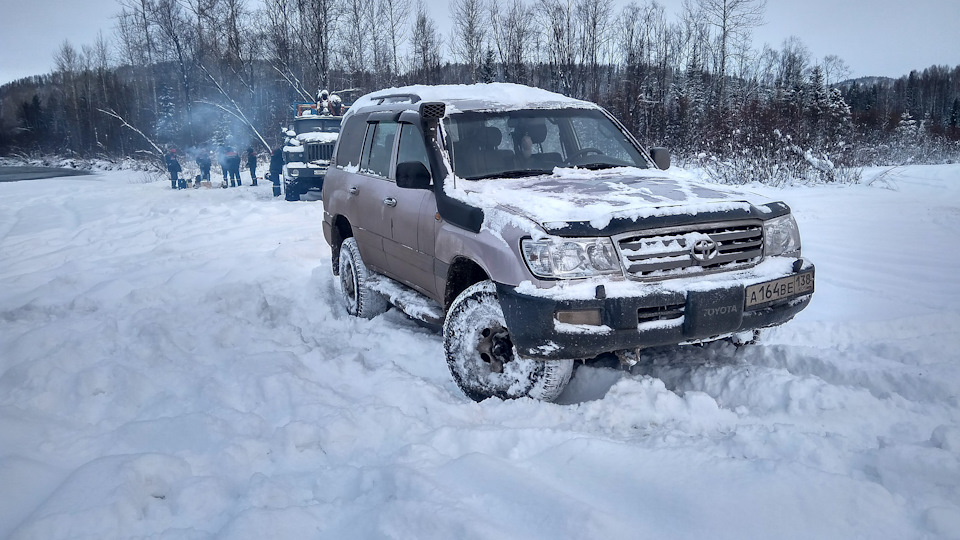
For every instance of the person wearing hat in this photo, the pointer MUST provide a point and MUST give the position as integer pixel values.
(276, 169)
(173, 167)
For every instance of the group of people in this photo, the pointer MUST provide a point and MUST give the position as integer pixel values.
(227, 158)
(229, 162)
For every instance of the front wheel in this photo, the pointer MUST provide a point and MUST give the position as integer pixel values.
(291, 191)
(482, 359)
(358, 296)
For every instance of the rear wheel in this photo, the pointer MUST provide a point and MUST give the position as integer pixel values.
(482, 359)
(355, 290)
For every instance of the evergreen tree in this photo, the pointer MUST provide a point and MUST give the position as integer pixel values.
(954, 131)
(488, 70)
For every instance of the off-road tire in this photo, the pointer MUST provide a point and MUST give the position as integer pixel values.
(355, 291)
(291, 190)
(475, 322)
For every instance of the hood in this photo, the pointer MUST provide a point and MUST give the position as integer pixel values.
(318, 136)
(575, 201)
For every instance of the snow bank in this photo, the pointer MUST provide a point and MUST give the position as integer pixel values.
(176, 364)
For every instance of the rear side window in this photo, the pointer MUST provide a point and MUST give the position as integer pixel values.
(378, 148)
(350, 142)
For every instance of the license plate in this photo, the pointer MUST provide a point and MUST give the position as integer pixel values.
(779, 289)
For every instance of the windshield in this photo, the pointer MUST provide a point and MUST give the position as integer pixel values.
(317, 124)
(531, 142)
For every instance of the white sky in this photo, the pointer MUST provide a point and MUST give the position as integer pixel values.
(874, 37)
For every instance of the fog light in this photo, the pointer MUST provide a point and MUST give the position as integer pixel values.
(583, 316)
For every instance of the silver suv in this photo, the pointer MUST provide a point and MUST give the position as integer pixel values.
(534, 230)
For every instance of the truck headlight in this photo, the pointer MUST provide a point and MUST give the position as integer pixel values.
(568, 258)
(781, 236)
(294, 172)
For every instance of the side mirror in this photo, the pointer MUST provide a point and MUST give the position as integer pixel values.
(661, 156)
(413, 175)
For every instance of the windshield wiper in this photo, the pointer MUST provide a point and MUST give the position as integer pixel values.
(598, 166)
(512, 174)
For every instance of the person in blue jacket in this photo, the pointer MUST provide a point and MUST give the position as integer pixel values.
(276, 169)
(173, 167)
(233, 167)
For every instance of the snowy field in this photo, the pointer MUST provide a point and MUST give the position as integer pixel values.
(175, 364)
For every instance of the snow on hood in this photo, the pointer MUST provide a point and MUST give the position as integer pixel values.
(491, 96)
(319, 137)
(597, 197)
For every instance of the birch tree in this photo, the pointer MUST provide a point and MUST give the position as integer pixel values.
(731, 22)
(468, 35)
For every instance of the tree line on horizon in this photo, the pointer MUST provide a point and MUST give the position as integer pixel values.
(203, 73)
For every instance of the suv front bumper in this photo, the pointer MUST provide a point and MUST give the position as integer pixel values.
(636, 315)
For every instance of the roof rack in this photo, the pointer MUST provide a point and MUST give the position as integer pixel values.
(396, 98)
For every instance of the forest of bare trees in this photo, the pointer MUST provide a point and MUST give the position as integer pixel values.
(192, 73)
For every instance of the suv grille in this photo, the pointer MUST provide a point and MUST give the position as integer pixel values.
(318, 151)
(660, 313)
(679, 251)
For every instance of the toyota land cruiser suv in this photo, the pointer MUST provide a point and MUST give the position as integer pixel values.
(534, 230)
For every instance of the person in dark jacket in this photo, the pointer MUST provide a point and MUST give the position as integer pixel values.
(173, 167)
(233, 167)
(203, 161)
(252, 165)
(276, 169)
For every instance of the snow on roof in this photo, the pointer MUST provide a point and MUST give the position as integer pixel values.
(490, 96)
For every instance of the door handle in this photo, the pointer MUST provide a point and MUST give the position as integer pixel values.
(390, 201)
(353, 190)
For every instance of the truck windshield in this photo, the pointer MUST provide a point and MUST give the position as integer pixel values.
(534, 142)
(317, 124)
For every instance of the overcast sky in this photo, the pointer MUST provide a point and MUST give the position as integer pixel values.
(874, 37)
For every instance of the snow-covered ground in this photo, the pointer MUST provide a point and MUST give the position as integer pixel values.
(175, 364)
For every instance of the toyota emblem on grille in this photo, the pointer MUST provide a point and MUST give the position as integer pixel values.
(705, 250)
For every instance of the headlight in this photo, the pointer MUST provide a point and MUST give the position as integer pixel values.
(781, 237)
(569, 258)
(294, 172)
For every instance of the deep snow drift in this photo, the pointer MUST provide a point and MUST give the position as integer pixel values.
(175, 364)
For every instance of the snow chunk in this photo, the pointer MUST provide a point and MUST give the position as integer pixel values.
(947, 438)
(318, 137)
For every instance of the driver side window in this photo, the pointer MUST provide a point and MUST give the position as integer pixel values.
(589, 135)
(412, 147)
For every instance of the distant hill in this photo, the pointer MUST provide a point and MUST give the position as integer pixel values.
(865, 81)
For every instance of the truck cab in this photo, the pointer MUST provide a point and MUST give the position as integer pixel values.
(306, 155)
